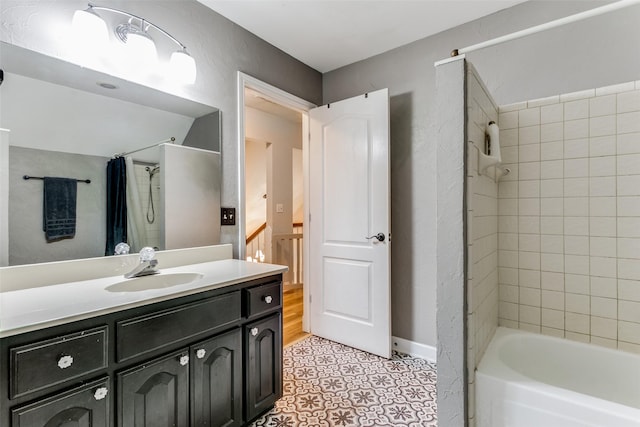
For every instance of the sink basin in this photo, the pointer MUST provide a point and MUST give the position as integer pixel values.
(156, 281)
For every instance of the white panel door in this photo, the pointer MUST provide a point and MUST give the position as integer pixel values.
(349, 271)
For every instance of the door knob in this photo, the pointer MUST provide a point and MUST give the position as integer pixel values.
(379, 237)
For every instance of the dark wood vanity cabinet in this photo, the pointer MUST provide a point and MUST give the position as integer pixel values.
(210, 359)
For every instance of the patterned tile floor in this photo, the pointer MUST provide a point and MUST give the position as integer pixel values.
(328, 384)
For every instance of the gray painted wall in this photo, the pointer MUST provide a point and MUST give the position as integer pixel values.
(204, 133)
(592, 53)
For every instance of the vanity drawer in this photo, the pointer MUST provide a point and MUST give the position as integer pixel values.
(46, 363)
(164, 328)
(262, 299)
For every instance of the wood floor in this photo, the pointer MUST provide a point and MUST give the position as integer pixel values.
(292, 317)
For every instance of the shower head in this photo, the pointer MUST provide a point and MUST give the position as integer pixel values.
(152, 170)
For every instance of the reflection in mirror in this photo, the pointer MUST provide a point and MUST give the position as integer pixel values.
(67, 121)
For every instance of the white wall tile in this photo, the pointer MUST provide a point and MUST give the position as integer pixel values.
(530, 296)
(508, 276)
(553, 300)
(576, 187)
(551, 132)
(507, 206)
(629, 206)
(629, 164)
(576, 226)
(628, 248)
(508, 241)
(576, 206)
(530, 171)
(604, 307)
(529, 135)
(629, 290)
(628, 122)
(576, 283)
(555, 99)
(509, 293)
(628, 227)
(509, 154)
(529, 224)
(602, 105)
(552, 244)
(628, 143)
(628, 185)
(508, 224)
(603, 267)
(529, 314)
(529, 260)
(552, 332)
(576, 110)
(606, 287)
(529, 189)
(602, 226)
(602, 206)
(574, 129)
(552, 225)
(552, 206)
(604, 328)
(508, 137)
(602, 186)
(576, 245)
(552, 113)
(602, 146)
(529, 242)
(529, 153)
(529, 207)
(552, 318)
(576, 264)
(551, 188)
(513, 107)
(576, 148)
(629, 332)
(508, 190)
(552, 262)
(508, 259)
(577, 303)
(603, 125)
(629, 311)
(629, 101)
(508, 120)
(628, 269)
(617, 88)
(589, 93)
(579, 337)
(552, 281)
(552, 150)
(529, 117)
(603, 246)
(551, 169)
(602, 166)
(575, 322)
(575, 168)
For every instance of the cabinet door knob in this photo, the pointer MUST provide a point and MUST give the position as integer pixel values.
(200, 353)
(100, 393)
(254, 331)
(64, 361)
(184, 360)
(268, 299)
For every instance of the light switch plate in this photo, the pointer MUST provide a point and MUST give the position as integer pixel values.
(228, 216)
(279, 208)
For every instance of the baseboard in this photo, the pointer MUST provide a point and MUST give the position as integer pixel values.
(414, 349)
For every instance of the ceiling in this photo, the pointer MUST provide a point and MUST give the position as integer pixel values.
(329, 34)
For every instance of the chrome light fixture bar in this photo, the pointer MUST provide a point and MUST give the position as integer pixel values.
(89, 24)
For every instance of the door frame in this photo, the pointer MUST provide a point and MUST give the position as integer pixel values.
(293, 102)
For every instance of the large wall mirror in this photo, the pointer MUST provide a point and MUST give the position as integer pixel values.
(68, 121)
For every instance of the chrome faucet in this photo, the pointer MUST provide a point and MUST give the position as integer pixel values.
(148, 264)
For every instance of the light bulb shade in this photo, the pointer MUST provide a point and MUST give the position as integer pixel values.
(89, 28)
(141, 49)
(182, 67)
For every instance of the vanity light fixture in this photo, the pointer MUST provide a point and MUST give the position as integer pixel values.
(89, 26)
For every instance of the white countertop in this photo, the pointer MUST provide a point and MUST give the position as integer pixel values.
(41, 307)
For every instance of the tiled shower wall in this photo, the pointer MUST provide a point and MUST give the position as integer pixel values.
(482, 233)
(142, 179)
(569, 216)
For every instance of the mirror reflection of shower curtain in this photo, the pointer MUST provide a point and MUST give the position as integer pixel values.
(116, 204)
(136, 231)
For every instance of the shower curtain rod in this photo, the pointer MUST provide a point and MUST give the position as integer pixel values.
(546, 26)
(171, 140)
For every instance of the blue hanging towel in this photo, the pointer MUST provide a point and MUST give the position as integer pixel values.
(116, 204)
(59, 208)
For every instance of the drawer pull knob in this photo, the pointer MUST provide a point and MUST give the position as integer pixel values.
(184, 360)
(268, 299)
(254, 331)
(201, 353)
(100, 393)
(65, 361)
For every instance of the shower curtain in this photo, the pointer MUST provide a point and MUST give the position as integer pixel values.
(116, 204)
(137, 233)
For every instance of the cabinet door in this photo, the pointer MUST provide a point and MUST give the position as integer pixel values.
(85, 406)
(216, 381)
(263, 364)
(155, 394)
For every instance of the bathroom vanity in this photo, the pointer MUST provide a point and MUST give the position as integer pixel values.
(206, 352)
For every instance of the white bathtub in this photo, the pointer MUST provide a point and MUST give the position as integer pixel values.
(531, 380)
